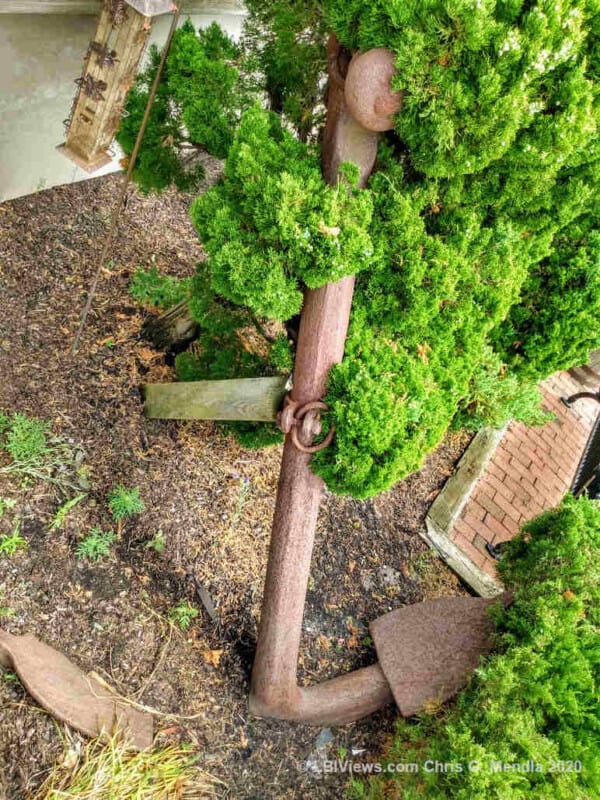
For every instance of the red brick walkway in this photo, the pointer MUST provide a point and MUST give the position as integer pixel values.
(530, 471)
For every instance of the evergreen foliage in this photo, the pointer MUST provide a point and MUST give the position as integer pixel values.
(497, 395)
(160, 291)
(536, 697)
(221, 352)
(555, 324)
(477, 228)
(124, 502)
(272, 225)
(197, 107)
(284, 44)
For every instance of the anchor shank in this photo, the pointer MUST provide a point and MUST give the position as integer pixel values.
(322, 336)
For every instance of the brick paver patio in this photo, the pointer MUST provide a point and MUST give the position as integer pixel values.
(530, 471)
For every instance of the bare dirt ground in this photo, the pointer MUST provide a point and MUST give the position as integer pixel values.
(111, 616)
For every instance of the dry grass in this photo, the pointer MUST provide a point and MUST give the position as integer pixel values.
(109, 770)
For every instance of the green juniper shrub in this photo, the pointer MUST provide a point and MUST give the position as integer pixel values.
(152, 288)
(197, 106)
(272, 225)
(536, 697)
(477, 227)
(124, 502)
(555, 323)
(284, 53)
(221, 352)
(496, 395)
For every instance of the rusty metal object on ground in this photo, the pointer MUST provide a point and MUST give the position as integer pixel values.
(69, 694)
(324, 323)
(427, 651)
(323, 328)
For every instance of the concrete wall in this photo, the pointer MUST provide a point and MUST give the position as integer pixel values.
(40, 57)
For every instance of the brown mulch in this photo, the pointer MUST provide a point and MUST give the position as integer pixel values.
(110, 616)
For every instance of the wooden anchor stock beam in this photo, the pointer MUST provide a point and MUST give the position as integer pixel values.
(242, 400)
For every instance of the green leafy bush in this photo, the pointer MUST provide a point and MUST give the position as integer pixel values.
(197, 106)
(555, 324)
(477, 227)
(273, 225)
(284, 53)
(496, 396)
(536, 697)
(152, 288)
(124, 502)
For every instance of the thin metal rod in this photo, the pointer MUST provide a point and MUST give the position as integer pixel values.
(125, 182)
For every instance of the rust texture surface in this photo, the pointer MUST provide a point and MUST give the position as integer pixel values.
(428, 650)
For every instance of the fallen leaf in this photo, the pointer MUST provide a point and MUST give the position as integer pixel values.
(212, 657)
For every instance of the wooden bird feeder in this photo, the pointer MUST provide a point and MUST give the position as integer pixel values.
(110, 66)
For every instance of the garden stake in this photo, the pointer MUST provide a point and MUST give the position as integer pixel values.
(426, 651)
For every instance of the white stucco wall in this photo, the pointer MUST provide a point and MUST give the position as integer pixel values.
(40, 57)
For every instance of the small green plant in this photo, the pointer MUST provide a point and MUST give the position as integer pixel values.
(183, 614)
(124, 502)
(157, 543)
(96, 545)
(26, 439)
(34, 453)
(61, 515)
(11, 543)
(10, 677)
(6, 504)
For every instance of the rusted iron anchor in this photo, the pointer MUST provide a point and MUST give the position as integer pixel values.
(426, 651)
